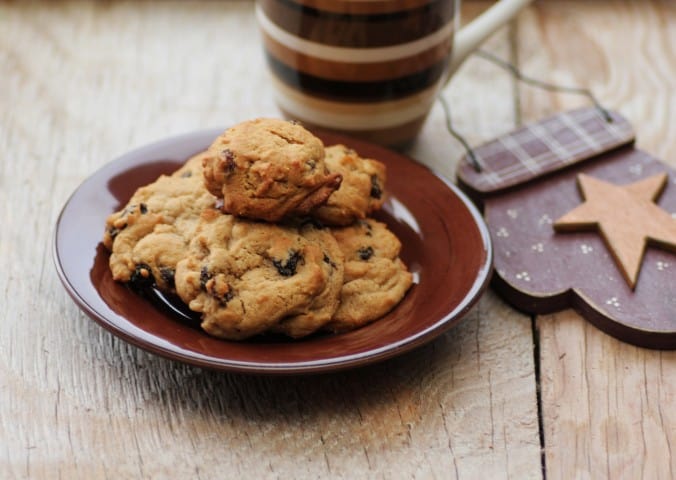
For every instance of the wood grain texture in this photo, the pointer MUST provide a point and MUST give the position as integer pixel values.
(608, 408)
(84, 82)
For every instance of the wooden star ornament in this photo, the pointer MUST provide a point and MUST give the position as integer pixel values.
(580, 162)
(627, 218)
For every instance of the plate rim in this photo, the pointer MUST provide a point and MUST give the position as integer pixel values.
(342, 362)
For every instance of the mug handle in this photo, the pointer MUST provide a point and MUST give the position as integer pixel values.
(469, 37)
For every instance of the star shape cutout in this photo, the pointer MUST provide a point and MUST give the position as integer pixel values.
(627, 218)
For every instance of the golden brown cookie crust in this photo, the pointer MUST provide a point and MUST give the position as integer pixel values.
(268, 169)
(151, 233)
(322, 308)
(361, 192)
(248, 278)
(375, 278)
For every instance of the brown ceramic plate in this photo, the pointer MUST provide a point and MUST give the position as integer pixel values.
(445, 244)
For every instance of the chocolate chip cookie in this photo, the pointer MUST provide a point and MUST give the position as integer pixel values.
(248, 278)
(375, 278)
(361, 192)
(151, 233)
(268, 169)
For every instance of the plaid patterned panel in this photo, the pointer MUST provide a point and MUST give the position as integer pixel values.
(543, 147)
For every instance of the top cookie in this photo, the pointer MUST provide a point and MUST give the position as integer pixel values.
(268, 169)
(361, 192)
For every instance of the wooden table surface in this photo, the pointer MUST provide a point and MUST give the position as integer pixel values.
(503, 395)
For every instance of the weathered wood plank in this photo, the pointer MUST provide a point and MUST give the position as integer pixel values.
(608, 407)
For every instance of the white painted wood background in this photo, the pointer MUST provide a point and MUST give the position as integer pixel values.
(83, 82)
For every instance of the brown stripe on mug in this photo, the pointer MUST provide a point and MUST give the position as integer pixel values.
(358, 91)
(363, 7)
(368, 30)
(355, 72)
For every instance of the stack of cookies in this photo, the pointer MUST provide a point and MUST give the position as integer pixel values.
(267, 231)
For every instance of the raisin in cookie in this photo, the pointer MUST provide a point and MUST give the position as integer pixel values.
(247, 277)
(375, 278)
(322, 308)
(361, 191)
(268, 169)
(151, 233)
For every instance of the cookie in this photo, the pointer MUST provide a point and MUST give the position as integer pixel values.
(248, 278)
(361, 192)
(151, 233)
(323, 306)
(268, 169)
(375, 278)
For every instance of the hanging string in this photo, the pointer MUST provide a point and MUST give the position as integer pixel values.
(449, 126)
(513, 69)
(519, 76)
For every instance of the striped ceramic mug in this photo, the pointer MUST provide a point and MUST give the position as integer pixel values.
(371, 68)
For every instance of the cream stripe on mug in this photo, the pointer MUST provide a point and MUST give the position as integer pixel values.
(354, 116)
(352, 55)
